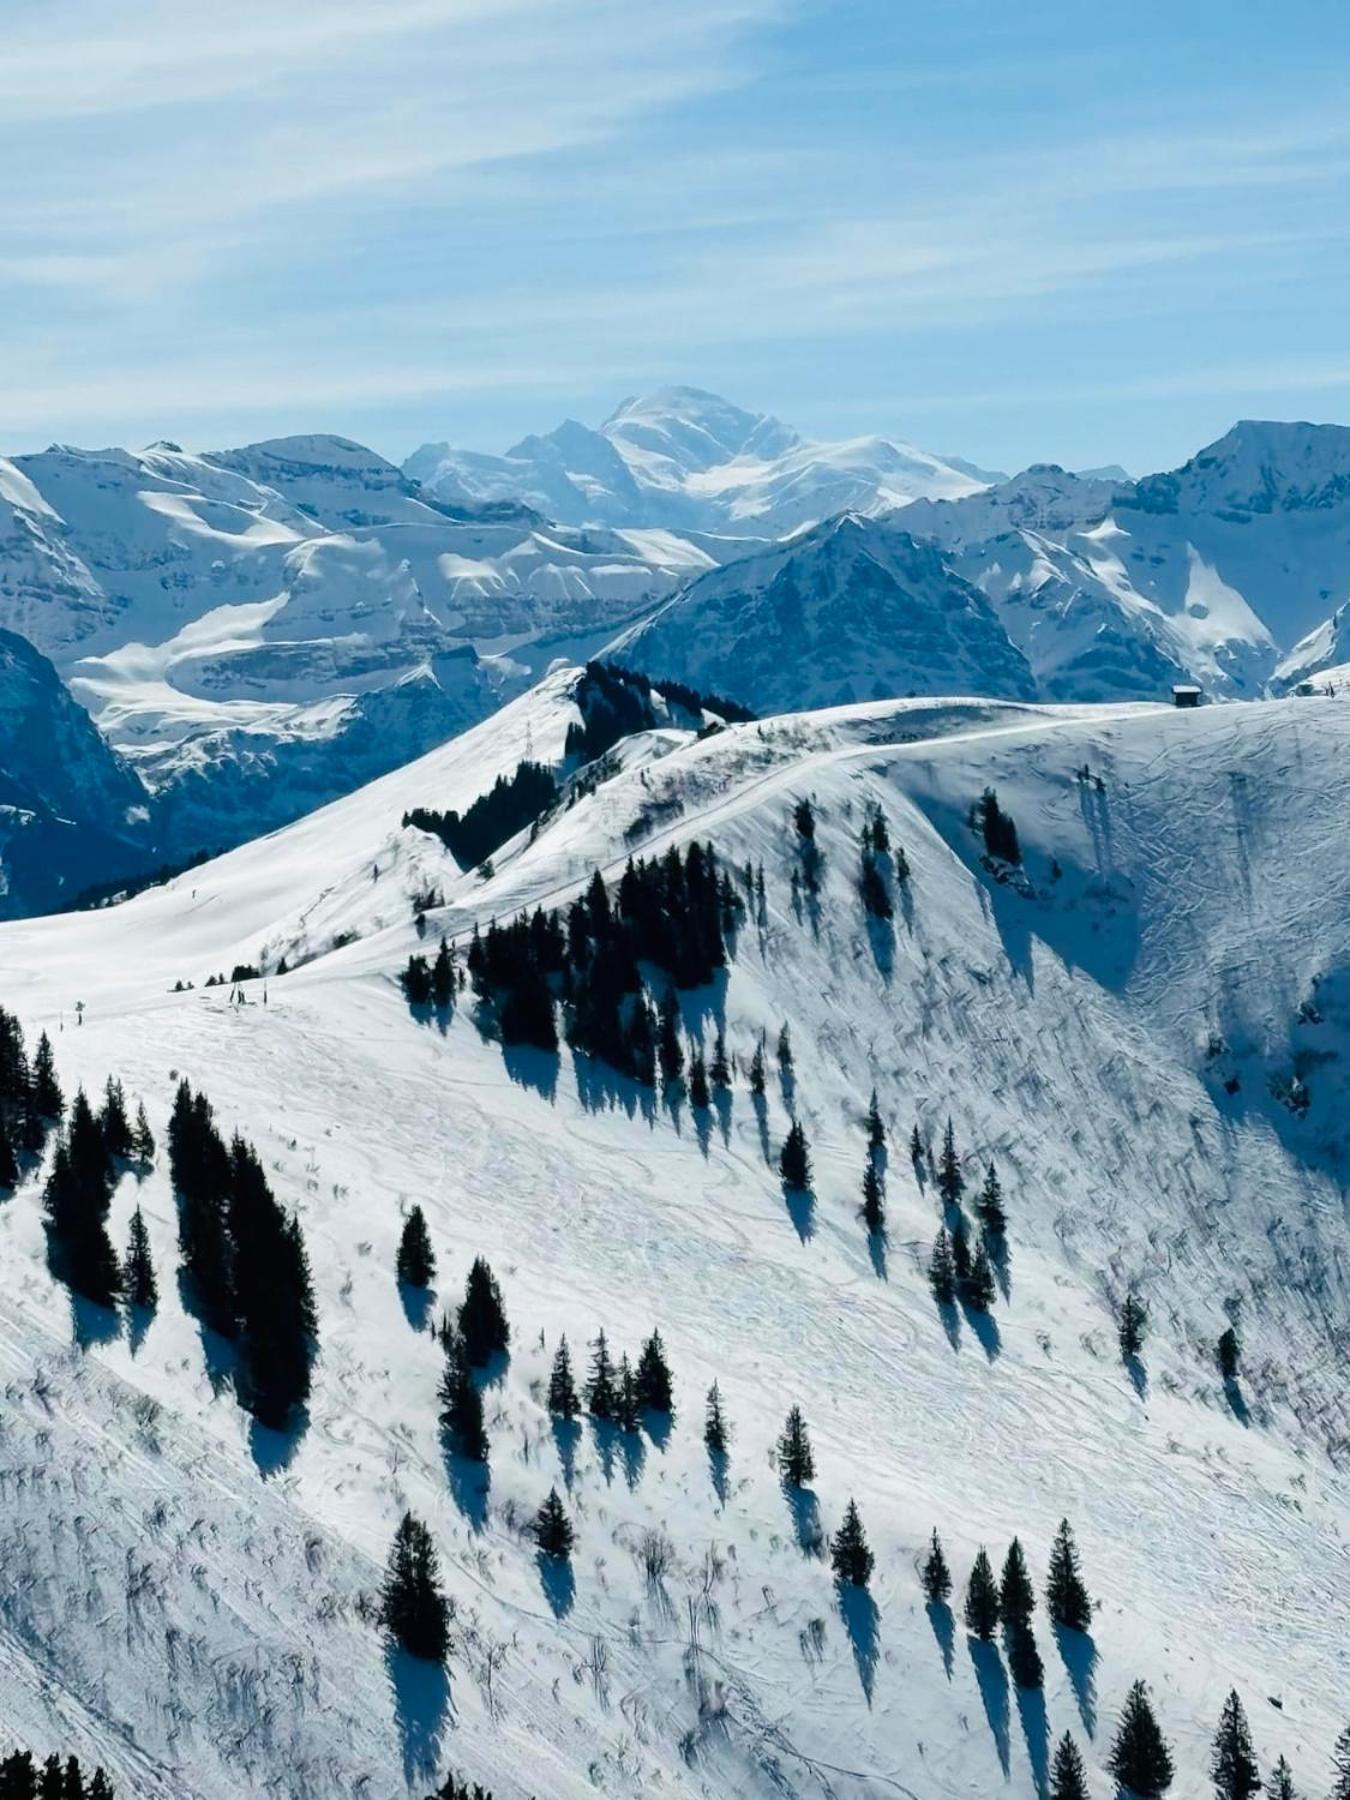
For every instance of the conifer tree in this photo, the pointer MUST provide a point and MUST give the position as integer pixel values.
(719, 1070)
(100, 1788)
(600, 1390)
(562, 1387)
(873, 1205)
(978, 1288)
(796, 1463)
(1229, 1353)
(1133, 1325)
(805, 820)
(876, 1128)
(757, 1071)
(850, 1557)
(982, 1605)
(1017, 1597)
(1066, 1598)
(1232, 1765)
(1068, 1777)
(669, 1049)
(142, 1138)
(461, 1403)
(552, 1528)
(916, 1150)
(716, 1434)
(416, 1264)
(413, 1609)
(52, 1786)
(73, 1787)
(989, 1204)
(794, 1159)
(784, 1046)
(1282, 1782)
(113, 1119)
(1140, 1759)
(482, 1318)
(951, 1183)
(273, 1293)
(9, 1163)
(942, 1269)
(47, 1096)
(1024, 1659)
(142, 1290)
(443, 975)
(936, 1576)
(699, 1095)
(654, 1389)
(1340, 1756)
(627, 1407)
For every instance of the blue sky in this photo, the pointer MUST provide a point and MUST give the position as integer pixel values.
(1085, 234)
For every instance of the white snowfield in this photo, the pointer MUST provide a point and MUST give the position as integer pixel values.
(183, 1600)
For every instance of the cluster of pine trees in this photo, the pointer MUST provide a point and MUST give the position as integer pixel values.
(959, 1268)
(245, 1258)
(879, 866)
(31, 1101)
(996, 827)
(615, 702)
(89, 1155)
(472, 1337)
(23, 1779)
(433, 983)
(512, 803)
(613, 1393)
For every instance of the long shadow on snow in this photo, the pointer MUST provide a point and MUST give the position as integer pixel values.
(558, 1582)
(881, 937)
(417, 1304)
(984, 1328)
(1138, 1375)
(944, 1630)
(761, 1108)
(470, 1485)
(220, 1354)
(274, 1451)
(91, 1323)
(876, 1250)
(1036, 1731)
(719, 1470)
(566, 1437)
(530, 1067)
(1237, 1405)
(989, 1672)
(862, 1622)
(1078, 1653)
(805, 1510)
(801, 1206)
(603, 1089)
(421, 1712)
(139, 1321)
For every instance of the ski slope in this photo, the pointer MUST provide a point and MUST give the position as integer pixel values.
(183, 1596)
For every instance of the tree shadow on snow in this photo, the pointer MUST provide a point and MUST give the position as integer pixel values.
(1237, 1405)
(989, 1672)
(719, 1470)
(1000, 1261)
(1078, 1653)
(876, 1250)
(1138, 1375)
(806, 1526)
(944, 1630)
(1036, 1731)
(722, 1107)
(862, 1622)
(530, 1067)
(91, 1323)
(703, 1124)
(421, 1712)
(417, 1303)
(606, 1435)
(470, 1485)
(273, 1451)
(761, 1107)
(984, 1328)
(139, 1321)
(658, 1427)
(672, 1098)
(881, 936)
(566, 1437)
(951, 1321)
(801, 1206)
(787, 1087)
(603, 1089)
(218, 1353)
(558, 1582)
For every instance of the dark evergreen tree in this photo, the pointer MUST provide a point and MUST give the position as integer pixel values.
(52, 1785)
(18, 1777)
(142, 1289)
(796, 1463)
(951, 1183)
(600, 1387)
(1233, 1763)
(76, 1200)
(416, 1264)
(1133, 1325)
(757, 1071)
(1024, 1659)
(100, 1788)
(1017, 1597)
(669, 1049)
(805, 821)
(1281, 1786)
(413, 1609)
(784, 1047)
(982, 1606)
(113, 1121)
(873, 1204)
(73, 1787)
(552, 1528)
(698, 1082)
(850, 1557)
(936, 1576)
(273, 1293)
(443, 975)
(482, 1318)
(9, 1163)
(942, 1269)
(1066, 1598)
(716, 1434)
(562, 1387)
(794, 1159)
(627, 1406)
(1068, 1777)
(527, 1015)
(654, 1389)
(1340, 1787)
(916, 1150)
(876, 1128)
(461, 1404)
(719, 1070)
(976, 1286)
(200, 1167)
(989, 1204)
(876, 899)
(142, 1138)
(1230, 1354)
(47, 1096)
(416, 981)
(1140, 1759)
(1000, 834)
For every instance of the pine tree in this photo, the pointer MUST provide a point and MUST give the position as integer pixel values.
(1068, 1777)
(936, 1576)
(796, 1463)
(627, 1407)
(876, 1128)
(794, 1159)
(52, 1786)
(100, 1788)
(784, 1046)
(461, 1404)
(1340, 1756)
(1017, 1597)
(1024, 1659)
(654, 1389)
(142, 1138)
(669, 1049)
(873, 1206)
(1282, 1782)
(699, 1095)
(600, 1393)
(443, 975)
(482, 1318)
(413, 1609)
(552, 1528)
(562, 1388)
(416, 1264)
(916, 1149)
(73, 1788)
(951, 1183)
(1140, 1759)
(1133, 1325)
(719, 1070)
(1229, 1353)
(977, 1286)
(989, 1204)
(716, 1434)
(273, 1292)
(850, 1557)
(805, 820)
(982, 1606)
(9, 1163)
(1233, 1763)
(142, 1290)
(113, 1120)
(1066, 1598)
(47, 1096)
(942, 1270)
(757, 1071)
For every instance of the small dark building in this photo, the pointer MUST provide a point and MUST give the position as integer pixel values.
(1183, 694)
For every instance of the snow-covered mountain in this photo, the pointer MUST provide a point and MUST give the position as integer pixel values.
(1145, 1028)
(692, 462)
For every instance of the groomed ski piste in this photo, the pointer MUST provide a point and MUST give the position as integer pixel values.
(1124, 1026)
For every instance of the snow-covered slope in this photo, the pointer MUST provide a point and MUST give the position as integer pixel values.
(1118, 1028)
(853, 609)
(689, 460)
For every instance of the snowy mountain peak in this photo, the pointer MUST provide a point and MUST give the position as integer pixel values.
(1260, 466)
